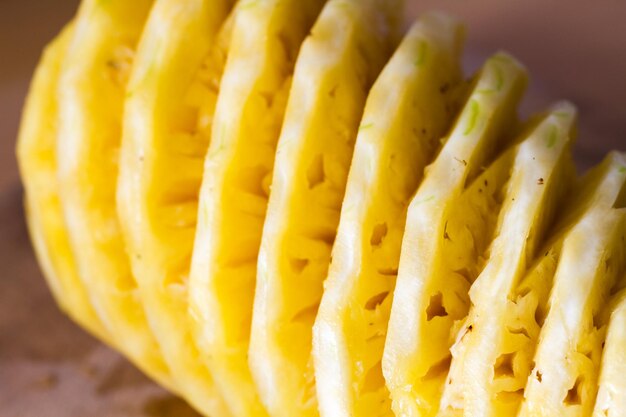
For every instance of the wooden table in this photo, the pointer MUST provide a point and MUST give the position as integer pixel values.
(50, 368)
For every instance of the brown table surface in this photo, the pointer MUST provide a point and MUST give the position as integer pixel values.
(575, 49)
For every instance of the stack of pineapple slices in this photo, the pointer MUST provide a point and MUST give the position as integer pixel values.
(272, 213)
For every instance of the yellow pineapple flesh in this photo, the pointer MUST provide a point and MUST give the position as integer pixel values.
(611, 401)
(482, 357)
(527, 307)
(271, 214)
(337, 65)
(170, 102)
(36, 152)
(564, 379)
(265, 42)
(90, 97)
(409, 109)
(446, 233)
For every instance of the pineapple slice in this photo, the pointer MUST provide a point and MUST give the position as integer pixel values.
(526, 311)
(611, 400)
(265, 42)
(36, 152)
(481, 357)
(528, 304)
(446, 233)
(91, 94)
(564, 380)
(410, 107)
(169, 110)
(335, 70)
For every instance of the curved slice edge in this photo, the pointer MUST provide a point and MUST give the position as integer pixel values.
(567, 360)
(37, 161)
(410, 107)
(611, 401)
(265, 42)
(416, 340)
(174, 81)
(542, 172)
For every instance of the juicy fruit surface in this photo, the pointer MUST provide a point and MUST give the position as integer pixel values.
(611, 401)
(565, 376)
(265, 41)
(423, 253)
(413, 98)
(90, 98)
(481, 357)
(312, 160)
(37, 160)
(167, 128)
(447, 232)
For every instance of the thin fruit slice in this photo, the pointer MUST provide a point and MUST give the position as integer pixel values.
(467, 233)
(482, 360)
(611, 400)
(91, 95)
(36, 152)
(336, 68)
(564, 380)
(411, 106)
(265, 42)
(167, 129)
(528, 304)
(446, 234)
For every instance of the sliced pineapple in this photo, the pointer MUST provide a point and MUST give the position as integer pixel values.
(611, 400)
(336, 68)
(90, 99)
(265, 42)
(492, 316)
(528, 304)
(410, 107)
(564, 380)
(36, 152)
(447, 232)
(482, 360)
(169, 110)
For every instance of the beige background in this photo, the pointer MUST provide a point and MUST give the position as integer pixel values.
(575, 49)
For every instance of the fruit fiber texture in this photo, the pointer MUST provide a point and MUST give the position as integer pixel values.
(294, 208)
(90, 98)
(170, 100)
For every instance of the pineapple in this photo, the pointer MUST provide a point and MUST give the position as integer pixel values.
(36, 151)
(592, 257)
(468, 271)
(478, 383)
(446, 233)
(611, 400)
(169, 109)
(90, 98)
(265, 41)
(338, 63)
(410, 107)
